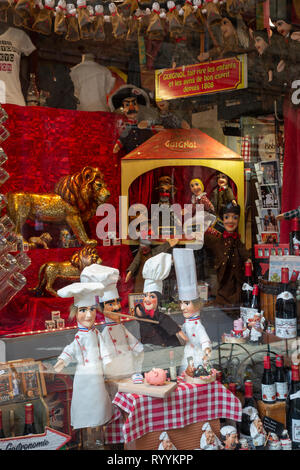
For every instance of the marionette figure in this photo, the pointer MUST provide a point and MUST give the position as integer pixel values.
(121, 353)
(166, 443)
(128, 98)
(167, 119)
(257, 432)
(199, 345)
(222, 195)
(167, 332)
(294, 213)
(229, 437)
(255, 328)
(91, 405)
(146, 250)
(230, 255)
(209, 441)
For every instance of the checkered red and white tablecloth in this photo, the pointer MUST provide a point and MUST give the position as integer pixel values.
(187, 404)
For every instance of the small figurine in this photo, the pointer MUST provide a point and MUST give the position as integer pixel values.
(257, 432)
(222, 195)
(128, 98)
(209, 441)
(199, 344)
(167, 332)
(166, 443)
(243, 444)
(255, 328)
(230, 256)
(43, 240)
(286, 443)
(274, 442)
(121, 352)
(229, 437)
(91, 405)
(239, 333)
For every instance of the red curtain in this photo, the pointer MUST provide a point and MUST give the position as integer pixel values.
(290, 195)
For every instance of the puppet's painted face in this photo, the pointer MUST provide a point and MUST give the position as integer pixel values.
(260, 45)
(196, 187)
(163, 106)
(231, 221)
(167, 444)
(86, 316)
(210, 437)
(110, 307)
(188, 309)
(150, 301)
(283, 28)
(222, 181)
(259, 426)
(130, 107)
(231, 441)
(227, 28)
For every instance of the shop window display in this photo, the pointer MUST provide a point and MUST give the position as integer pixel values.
(148, 271)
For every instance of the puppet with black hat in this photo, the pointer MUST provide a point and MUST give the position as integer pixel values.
(127, 99)
(230, 255)
(222, 194)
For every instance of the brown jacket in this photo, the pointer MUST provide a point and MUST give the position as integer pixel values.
(229, 259)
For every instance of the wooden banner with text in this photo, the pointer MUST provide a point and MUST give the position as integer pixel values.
(200, 79)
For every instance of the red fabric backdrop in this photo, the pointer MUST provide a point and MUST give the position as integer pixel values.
(290, 195)
(45, 144)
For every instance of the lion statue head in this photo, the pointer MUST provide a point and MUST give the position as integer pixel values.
(85, 257)
(85, 189)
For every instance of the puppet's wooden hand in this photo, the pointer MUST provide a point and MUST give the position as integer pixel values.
(128, 276)
(59, 366)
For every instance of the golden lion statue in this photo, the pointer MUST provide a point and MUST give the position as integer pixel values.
(49, 272)
(75, 201)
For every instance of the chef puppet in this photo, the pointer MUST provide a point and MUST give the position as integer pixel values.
(166, 332)
(199, 345)
(121, 352)
(91, 405)
(209, 441)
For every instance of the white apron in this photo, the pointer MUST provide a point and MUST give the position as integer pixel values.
(198, 341)
(122, 354)
(91, 405)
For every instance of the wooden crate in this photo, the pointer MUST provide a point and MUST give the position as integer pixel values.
(275, 411)
(187, 438)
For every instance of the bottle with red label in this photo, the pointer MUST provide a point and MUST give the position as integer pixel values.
(268, 387)
(293, 414)
(280, 380)
(249, 408)
(285, 310)
(29, 427)
(247, 287)
(295, 237)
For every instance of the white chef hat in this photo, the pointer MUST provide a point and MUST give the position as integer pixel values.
(254, 415)
(84, 293)
(163, 436)
(155, 270)
(107, 276)
(206, 426)
(186, 274)
(226, 430)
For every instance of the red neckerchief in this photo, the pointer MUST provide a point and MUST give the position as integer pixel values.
(164, 194)
(222, 188)
(150, 313)
(233, 235)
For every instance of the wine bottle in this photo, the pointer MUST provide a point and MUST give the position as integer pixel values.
(2, 436)
(172, 368)
(232, 388)
(248, 408)
(29, 427)
(293, 415)
(295, 237)
(33, 96)
(247, 287)
(268, 387)
(285, 310)
(280, 380)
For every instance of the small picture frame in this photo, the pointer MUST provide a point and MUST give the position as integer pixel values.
(268, 220)
(134, 299)
(106, 242)
(269, 196)
(269, 238)
(55, 314)
(6, 386)
(32, 378)
(60, 323)
(270, 173)
(49, 324)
